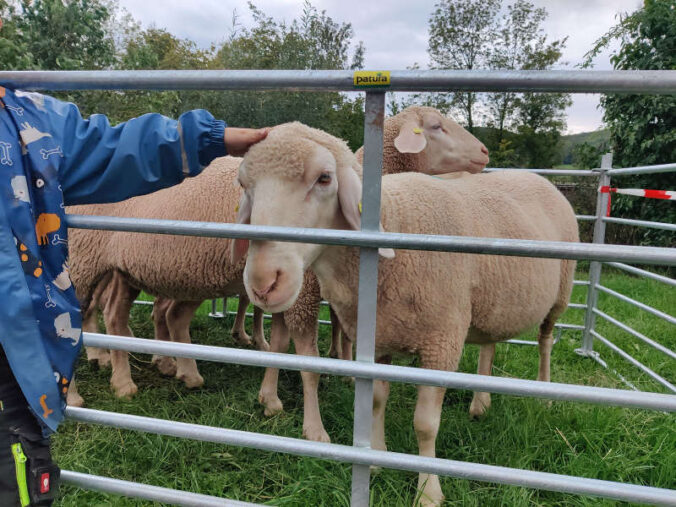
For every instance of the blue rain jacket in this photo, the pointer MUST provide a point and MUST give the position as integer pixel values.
(51, 157)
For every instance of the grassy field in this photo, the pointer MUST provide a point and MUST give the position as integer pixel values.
(593, 441)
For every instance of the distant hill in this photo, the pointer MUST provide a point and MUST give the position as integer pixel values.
(595, 138)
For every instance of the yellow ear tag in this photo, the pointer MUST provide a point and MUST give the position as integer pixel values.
(360, 207)
(237, 209)
(417, 130)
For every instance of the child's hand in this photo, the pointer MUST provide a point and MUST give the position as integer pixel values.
(239, 140)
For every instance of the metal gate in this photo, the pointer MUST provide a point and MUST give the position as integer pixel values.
(369, 239)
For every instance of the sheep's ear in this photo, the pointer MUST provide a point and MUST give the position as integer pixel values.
(239, 247)
(411, 138)
(349, 198)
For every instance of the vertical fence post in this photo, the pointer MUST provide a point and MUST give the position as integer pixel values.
(368, 288)
(214, 313)
(602, 200)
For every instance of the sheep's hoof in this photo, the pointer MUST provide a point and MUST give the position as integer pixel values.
(104, 360)
(125, 390)
(429, 493)
(262, 344)
(192, 381)
(73, 399)
(241, 338)
(480, 404)
(427, 501)
(165, 365)
(316, 434)
(273, 405)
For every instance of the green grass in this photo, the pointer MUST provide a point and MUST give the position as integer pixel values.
(593, 441)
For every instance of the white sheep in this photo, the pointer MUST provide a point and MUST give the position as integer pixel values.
(429, 303)
(190, 270)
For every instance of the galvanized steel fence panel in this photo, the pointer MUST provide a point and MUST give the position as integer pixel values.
(369, 239)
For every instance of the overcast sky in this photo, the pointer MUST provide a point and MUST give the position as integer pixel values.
(394, 31)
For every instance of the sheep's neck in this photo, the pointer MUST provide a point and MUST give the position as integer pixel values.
(337, 270)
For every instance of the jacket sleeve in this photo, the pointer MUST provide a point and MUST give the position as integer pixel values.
(102, 163)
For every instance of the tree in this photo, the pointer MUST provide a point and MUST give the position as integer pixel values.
(314, 41)
(471, 34)
(643, 127)
(520, 44)
(66, 35)
(588, 156)
(460, 37)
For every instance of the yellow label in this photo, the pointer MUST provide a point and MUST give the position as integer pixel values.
(371, 78)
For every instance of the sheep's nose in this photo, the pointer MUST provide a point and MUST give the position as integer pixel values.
(484, 150)
(263, 287)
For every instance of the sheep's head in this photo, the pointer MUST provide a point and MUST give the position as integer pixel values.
(297, 177)
(446, 145)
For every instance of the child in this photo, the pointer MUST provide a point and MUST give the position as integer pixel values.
(50, 157)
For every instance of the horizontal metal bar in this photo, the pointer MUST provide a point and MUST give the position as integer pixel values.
(623, 81)
(386, 459)
(643, 272)
(645, 169)
(638, 304)
(267, 316)
(141, 302)
(501, 246)
(597, 357)
(570, 326)
(585, 218)
(521, 342)
(453, 380)
(146, 491)
(633, 361)
(578, 305)
(546, 172)
(640, 223)
(635, 333)
(580, 282)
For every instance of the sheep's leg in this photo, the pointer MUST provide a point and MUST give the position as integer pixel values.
(336, 349)
(381, 391)
(279, 342)
(481, 400)
(426, 423)
(238, 332)
(165, 365)
(178, 319)
(258, 333)
(545, 344)
(73, 398)
(347, 346)
(90, 322)
(313, 428)
(116, 317)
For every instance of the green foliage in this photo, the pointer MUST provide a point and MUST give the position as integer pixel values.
(597, 138)
(643, 127)
(471, 34)
(314, 41)
(65, 35)
(587, 156)
(461, 33)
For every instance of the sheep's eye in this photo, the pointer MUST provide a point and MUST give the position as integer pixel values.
(437, 126)
(324, 179)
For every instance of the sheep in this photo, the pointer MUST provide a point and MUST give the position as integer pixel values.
(429, 303)
(142, 260)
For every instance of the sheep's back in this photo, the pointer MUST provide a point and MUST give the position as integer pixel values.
(167, 265)
(506, 294)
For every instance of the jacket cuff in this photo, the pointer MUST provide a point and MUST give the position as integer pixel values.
(215, 142)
